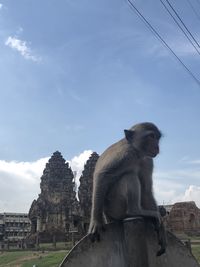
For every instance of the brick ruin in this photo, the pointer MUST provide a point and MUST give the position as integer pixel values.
(183, 217)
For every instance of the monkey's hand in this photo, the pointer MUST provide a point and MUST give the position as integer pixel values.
(162, 239)
(161, 234)
(95, 229)
(154, 218)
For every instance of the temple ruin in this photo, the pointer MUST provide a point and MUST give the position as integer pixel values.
(183, 217)
(85, 189)
(53, 213)
(58, 214)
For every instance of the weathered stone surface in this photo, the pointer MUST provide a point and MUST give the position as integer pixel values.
(85, 189)
(132, 244)
(184, 217)
(53, 212)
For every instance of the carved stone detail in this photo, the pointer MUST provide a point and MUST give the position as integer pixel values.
(53, 211)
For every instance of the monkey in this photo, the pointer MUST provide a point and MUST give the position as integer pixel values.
(122, 181)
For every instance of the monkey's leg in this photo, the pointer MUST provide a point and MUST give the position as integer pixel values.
(132, 195)
(123, 199)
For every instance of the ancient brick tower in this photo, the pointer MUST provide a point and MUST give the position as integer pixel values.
(85, 189)
(184, 217)
(52, 213)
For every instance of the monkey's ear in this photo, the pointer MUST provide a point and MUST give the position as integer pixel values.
(129, 135)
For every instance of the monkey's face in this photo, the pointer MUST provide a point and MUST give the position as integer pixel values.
(149, 143)
(145, 138)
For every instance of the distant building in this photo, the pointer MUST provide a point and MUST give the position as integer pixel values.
(183, 217)
(1, 227)
(14, 228)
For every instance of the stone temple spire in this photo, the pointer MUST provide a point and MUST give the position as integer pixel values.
(85, 188)
(57, 175)
(56, 205)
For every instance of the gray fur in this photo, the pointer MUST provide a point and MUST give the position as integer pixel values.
(122, 185)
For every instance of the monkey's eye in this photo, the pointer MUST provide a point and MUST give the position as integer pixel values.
(152, 135)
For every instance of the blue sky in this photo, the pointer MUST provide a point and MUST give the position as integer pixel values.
(75, 73)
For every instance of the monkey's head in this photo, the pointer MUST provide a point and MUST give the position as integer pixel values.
(144, 137)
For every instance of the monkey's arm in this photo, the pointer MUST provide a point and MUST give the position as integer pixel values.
(101, 183)
(109, 168)
(148, 201)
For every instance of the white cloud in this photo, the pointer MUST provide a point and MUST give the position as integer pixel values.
(170, 193)
(19, 184)
(179, 45)
(166, 190)
(77, 163)
(177, 185)
(1, 5)
(181, 175)
(183, 48)
(192, 193)
(25, 170)
(20, 181)
(197, 161)
(21, 47)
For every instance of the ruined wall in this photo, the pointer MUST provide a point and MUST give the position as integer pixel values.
(184, 217)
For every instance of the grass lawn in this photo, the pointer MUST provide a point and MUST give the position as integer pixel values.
(48, 258)
(196, 252)
(29, 258)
